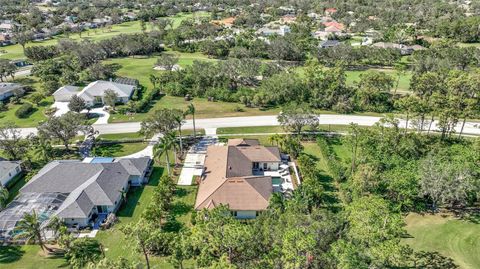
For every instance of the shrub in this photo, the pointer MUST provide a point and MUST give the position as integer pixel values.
(24, 111)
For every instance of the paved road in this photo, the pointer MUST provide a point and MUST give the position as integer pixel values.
(472, 128)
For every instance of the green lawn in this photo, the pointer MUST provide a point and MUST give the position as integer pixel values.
(16, 51)
(120, 136)
(278, 129)
(403, 85)
(118, 150)
(454, 238)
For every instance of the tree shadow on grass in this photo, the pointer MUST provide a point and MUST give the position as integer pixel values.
(134, 194)
(107, 150)
(10, 254)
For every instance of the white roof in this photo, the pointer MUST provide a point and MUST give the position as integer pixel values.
(99, 87)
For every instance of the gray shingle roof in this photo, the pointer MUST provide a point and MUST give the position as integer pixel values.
(87, 184)
(7, 166)
(8, 87)
(99, 87)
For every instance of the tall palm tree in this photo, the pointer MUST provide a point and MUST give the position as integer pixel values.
(29, 228)
(3, 197)
(180, 119)
(191, 111)
(166, 143)
(42, 149)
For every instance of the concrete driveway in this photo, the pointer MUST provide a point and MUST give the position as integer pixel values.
(62, 108)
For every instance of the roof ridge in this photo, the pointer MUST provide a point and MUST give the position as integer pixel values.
(213, 192)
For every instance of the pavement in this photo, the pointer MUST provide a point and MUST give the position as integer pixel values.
(195, 158)
(472, 128)
(62, 108)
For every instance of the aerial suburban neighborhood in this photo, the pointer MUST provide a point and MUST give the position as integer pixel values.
(239, 134)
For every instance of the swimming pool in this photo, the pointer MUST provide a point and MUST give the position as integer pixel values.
(277, 181)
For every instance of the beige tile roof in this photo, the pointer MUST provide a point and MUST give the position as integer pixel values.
(228, 176)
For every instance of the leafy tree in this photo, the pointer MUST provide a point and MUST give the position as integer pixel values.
(162, 121)
(30, 229)
(139, 234)
(63, 128)
(11, 141)
(36, 98)
(110, 98)
(76, 104)
(22, 38)
(4, 195)
(295, 117)
(167, 61)
(83, 251)
(373, 91)
(446, 182)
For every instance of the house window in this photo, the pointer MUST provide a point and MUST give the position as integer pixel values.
(265, 166)
(234, 213)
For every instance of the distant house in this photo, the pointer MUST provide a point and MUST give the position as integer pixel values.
(65, 93)
(328, 44)
(334, 25)
(330, 11)
(404, 49)
(7, 90)
(237, 175)
(80, 193)
(8, 170)
(269, 30)
(227, 22)
(94, 92)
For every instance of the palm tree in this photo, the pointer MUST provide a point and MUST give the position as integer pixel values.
(275, 139)
(179, 118)
(29, 228)
(55, 224)
(3, 197)
(42, 150)
(124, 196)
(165, 144)
(191, 111)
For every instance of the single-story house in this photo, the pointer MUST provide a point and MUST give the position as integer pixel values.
(328, 44)
(8, 170)
(65, 93)
(81, 193)
(9, 89)
(269, 30)
(94, 92)
(404, 49)
(235, 175)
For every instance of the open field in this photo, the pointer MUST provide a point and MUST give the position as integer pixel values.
(451, 237)
(16, 51)
(403, 84)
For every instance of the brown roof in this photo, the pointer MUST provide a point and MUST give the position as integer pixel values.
(228, 176)
(240, 193)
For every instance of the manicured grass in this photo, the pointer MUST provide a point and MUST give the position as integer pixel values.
(250, 130)
(120, 136)
(454, 238)
(118, 150)
(28, 257)
(204, 109)
(16, 51)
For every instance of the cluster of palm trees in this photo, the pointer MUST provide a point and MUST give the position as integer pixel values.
(167, 122)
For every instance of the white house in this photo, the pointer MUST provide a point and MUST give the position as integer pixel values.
(65, 93)
(8, 170)
(8, 89)
(94, 93)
